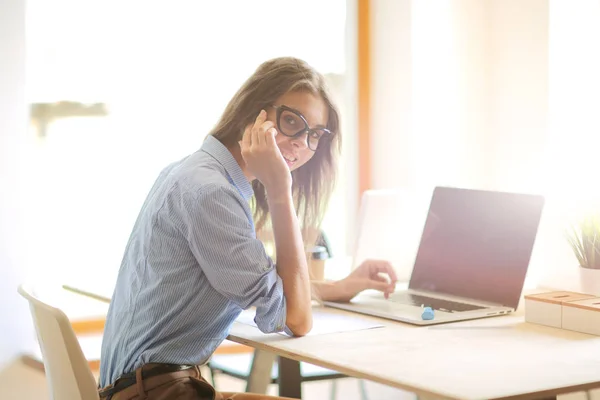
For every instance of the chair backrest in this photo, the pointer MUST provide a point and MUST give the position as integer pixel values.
(67, 371)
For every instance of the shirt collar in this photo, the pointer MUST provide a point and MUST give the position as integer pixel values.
(220, 153)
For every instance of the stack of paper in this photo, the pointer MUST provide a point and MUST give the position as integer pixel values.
(323, 322)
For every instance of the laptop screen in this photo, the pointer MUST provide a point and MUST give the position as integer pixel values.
(477, 244)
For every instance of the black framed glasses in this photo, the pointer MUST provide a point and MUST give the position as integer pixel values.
(293, 124)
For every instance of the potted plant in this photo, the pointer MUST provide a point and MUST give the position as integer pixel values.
(584, 238)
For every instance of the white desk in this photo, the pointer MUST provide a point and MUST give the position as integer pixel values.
(494, 358)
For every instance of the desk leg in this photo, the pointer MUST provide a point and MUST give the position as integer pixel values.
(260, 372)
(290, 381)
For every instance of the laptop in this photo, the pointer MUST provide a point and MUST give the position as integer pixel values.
(471, 261)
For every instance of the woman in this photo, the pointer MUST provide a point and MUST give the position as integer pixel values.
(193, 261)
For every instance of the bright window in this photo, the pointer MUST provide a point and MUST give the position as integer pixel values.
(165, 70)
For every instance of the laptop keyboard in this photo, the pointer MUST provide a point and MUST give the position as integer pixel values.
(436, 304)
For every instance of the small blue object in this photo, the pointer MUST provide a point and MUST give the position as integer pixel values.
(427, 313)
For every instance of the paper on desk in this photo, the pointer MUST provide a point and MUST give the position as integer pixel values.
(323, 322)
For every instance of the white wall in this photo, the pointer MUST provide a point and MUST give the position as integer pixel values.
(460, 92)
(571, 159)
(574, 121)
(460, 98)
(519, 39)
(450, 53)
(162, 98)
(349, 167)
(391, 93)
(16, 328)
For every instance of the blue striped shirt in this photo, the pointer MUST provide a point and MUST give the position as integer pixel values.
(191, 265)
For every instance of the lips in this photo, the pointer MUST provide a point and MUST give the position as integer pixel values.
(290, 159)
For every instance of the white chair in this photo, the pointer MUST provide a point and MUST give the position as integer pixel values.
(67, 371)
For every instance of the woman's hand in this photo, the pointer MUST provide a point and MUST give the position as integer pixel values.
(263, 158)
(371, 274)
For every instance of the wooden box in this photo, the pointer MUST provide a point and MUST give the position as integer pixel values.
(547, 308)
(582, 316)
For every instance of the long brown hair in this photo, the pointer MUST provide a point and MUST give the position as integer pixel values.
(313, 183)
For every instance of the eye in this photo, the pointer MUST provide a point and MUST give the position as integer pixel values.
(290, 123)
(315, 135)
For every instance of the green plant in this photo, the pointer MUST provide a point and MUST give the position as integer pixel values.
(584, 238)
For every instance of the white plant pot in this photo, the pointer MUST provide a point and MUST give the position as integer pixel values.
(589, 280)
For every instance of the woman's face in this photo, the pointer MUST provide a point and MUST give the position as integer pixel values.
(296, 150)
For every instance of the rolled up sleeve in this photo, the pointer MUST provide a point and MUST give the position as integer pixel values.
(221, 235)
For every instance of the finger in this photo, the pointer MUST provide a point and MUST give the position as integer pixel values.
(270, 137)
(270, 133)
(384, 287)
(246, 138)
(260, 119)
(264, 131)
(380, 278)
(385, 267)
(388, 287)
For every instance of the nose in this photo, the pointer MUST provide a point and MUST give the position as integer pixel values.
(301, 141)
